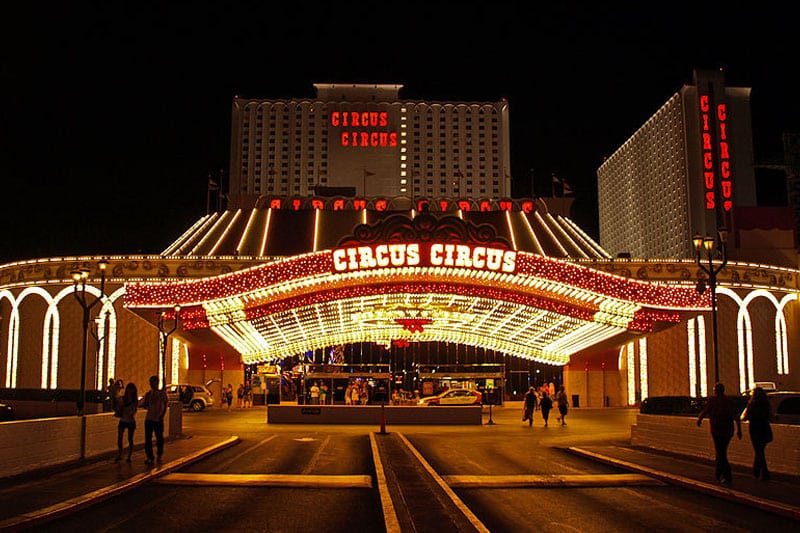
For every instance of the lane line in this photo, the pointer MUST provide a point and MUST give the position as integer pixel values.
(568, 480)
(389, 514)
(477, 524)
(269, 480)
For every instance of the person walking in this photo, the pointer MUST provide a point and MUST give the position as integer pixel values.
(721, 413)
(155, 401)
(240, 395)
(229, 395)
(758, 413)
(127, 420)
(563, 405)
(530, 405)
(248, 394)
(545, 404)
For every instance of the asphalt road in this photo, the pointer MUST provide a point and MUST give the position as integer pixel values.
(506, 477)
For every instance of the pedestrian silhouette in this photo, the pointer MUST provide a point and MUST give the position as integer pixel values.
(758, 413)
(722, 415)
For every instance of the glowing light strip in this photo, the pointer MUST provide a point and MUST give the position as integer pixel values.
(266, 233)
(643, 372)
(197, 235)
(745, 344)
(691, 337)
(315, 245)
(552, 236)
(175, 360)
(532, 233)
(511, 230)
(554, 223)
(225, 232)
(631, 374)
(210, 233)
(701, 338)
(588, 241)
(248, 228)
(183, 238)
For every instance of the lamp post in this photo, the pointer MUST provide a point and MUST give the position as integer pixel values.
(491, 401)
(98, 340)
(708, 243)
(79, 278)
(164, 336)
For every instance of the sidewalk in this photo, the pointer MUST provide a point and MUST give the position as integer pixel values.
(34, 499)
(779, 495)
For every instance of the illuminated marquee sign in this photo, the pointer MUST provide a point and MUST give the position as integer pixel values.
(429, 254)
(382, 204)
(719, 116)
(361, 128)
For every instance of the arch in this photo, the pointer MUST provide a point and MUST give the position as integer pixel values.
(745, 335)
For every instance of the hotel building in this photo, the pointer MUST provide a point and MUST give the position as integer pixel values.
(364, 140)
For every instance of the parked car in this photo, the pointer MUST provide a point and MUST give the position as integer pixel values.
(785, 406)
(6, 412)
(194, 397)
(672, 405)
(453, 397)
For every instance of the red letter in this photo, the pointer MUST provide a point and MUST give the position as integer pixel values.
(380, 205)
(335, 118)
(527, 206)
(344, 138)
(704, 103)
(422, 205)
(723, 150)
(722, 114)
(317, 204)
(505, 206)
(463, 205)
(710, 200)
(338, 205)
(364, 138)
(486, 206)
(275, 203)
(709, 176)
(359, 203)
(725, 169)
(706, 141)
(708, 162)
(296, 205)
(383, 119)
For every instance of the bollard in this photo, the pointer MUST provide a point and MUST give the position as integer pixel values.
(383, 417)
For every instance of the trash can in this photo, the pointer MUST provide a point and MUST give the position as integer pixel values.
(576, 400)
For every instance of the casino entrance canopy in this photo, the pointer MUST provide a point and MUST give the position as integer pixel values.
(420, 280)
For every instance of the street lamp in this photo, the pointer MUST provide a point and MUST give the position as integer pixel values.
(164, 336)
(79, 278)
(707, 243)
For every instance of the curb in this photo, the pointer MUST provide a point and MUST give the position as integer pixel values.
(47, 514)
(789, 511)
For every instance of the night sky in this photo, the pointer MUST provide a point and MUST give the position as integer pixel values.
(114, 113)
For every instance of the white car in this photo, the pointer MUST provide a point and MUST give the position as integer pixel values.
(194, 397)
(453, 397)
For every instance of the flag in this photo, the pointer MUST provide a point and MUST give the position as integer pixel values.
(567, 188)
(368, 173)
(556, 180)
(212, 185)
(553, 184)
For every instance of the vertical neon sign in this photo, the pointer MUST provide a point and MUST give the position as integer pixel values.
(718, 115)
(708, 152)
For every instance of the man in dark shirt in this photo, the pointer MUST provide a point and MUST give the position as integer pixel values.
(721, 412)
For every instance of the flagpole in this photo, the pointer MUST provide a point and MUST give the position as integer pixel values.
(208, 195)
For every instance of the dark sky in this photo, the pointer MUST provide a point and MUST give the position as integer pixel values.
(113, 113)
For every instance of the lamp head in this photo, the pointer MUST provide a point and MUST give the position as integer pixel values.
(177, 309)
(76, 275)
(103, 263)
(697, 240)
(708, 243)
(723, 234)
